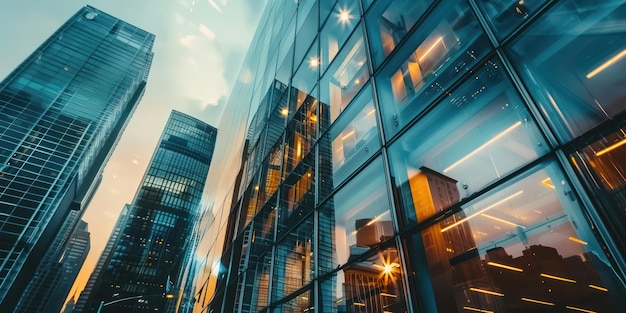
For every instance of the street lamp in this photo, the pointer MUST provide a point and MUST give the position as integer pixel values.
(103, 304)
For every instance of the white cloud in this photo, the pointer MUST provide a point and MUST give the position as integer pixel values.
(187, 41)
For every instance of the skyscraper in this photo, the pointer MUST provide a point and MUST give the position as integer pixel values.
(426, 156)
(61, 113)
(154, 243)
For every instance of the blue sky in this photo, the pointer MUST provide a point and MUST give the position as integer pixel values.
(198, 52)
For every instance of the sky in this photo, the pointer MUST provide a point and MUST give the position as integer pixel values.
(198, 52)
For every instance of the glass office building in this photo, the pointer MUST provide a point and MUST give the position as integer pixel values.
(427, 156)
(61, 113)
(147, 261)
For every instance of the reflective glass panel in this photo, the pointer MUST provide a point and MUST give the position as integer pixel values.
(524, 247)
(505, 16)
(371, 284)
(479, 133)
(602, 164)
(388, 23)
(354, 136)
(445, 47)
(343, 18)
(346, 76)
(573, 63)
(359, 216)
(302, 303)
(293, 261)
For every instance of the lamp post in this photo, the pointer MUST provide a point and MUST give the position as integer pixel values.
(103, 304)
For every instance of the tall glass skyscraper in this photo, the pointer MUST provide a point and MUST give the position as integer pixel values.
(154, 243)
(61, 112)
(426, 156)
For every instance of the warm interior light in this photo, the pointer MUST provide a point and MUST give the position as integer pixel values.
(579, 309)
(344, 16)
(384, 294)
(606, 64)
(493, 293)
(469, 308)
(482, 211)
(359, 304)
(548, 183)
(371, 112)
(169, 296)
(425, 54)
(483, 146)
(506, 267)
(537, 301)
(576, 240)
(598, 288)
(612, 147)
(558, 278)
(502, 221)
(284, 112)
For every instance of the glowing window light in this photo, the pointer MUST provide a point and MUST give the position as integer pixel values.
(537, 301)
(489, 292)
(579, 309)
(469, 308)
(359, 304)
(483, 146)
(606, 64)
(576, 240)
(503, 221)
(314, 62)
(284, 112)
(548, 183)
(598, 288)
(506, 267)
(482, 211)
(567, 280)
(439, 40)
(611, 147)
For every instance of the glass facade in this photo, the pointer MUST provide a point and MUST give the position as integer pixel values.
(154, 242)
(61, 112)
(427, 156)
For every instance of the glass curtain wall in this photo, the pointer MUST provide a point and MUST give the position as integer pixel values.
(435, 156)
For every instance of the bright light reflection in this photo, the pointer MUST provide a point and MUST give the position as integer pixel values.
(489, 292)
(469, 308)
(344, 16)
(314, 61)
(576, 240)
(506, 267)
(598, 288)
(606, 64)
(483, 210)
(567, 280)
(579, 309)
(483, 146)
(611, 147)
(537, 301)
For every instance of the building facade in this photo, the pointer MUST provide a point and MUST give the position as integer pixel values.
(426, 156)
(61, 113)
(147, 260)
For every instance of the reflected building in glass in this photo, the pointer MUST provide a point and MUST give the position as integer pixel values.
(426, 156)
(61, 113)
(142, 267)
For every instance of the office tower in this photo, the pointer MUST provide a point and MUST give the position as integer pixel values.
(147, 261)
(79, 304)
(454, 156)
(61, 113)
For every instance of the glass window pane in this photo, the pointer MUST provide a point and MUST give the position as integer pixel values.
(293, 261)
(573, 64)
(479, 133)
(354, 137)
(359, 215)
(346, 76)
(444, 48)
(506, 15)
(301, 303)
(372, 284)
(343, 18)
(388, 23)
(524, 247)
(602, 164)
(308, 72)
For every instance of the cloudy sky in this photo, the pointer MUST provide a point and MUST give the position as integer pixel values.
(199, 48)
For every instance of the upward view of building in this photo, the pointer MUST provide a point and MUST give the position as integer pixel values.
(425, 156)
(153, 241)
(61, 113)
